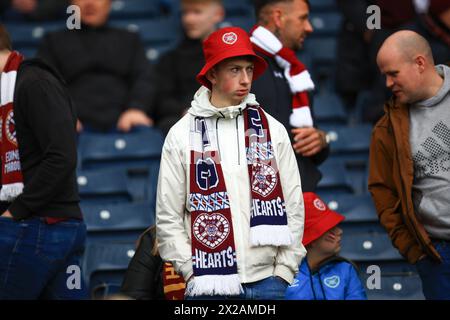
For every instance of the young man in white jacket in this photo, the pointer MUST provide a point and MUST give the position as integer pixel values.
(229, 212)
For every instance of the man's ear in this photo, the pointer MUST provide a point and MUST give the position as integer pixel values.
(277, 17)
(421, 63)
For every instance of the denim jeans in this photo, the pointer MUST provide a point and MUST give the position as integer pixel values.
(436, 276)
(41, 261)
(271, 288)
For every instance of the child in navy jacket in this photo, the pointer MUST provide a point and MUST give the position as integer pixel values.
(323, 275)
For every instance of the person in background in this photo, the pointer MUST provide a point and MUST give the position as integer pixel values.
(106, 70)
(176, 71)
(324, 275)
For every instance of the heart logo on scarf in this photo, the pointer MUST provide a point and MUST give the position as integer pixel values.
(211, 229)
(264, 179)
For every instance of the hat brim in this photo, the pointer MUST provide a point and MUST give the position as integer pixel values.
(260, 65)
(315, 231)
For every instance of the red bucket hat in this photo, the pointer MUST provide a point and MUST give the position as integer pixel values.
(318, 218)
(228, 43)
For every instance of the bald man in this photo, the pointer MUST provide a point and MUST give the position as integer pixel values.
(409, 176)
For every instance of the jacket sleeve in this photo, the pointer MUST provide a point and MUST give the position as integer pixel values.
(48, 114)
(174, 243)
(289, 258)
(386, 197)
(355, 289)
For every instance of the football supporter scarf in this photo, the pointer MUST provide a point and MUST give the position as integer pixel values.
(295, 72)
(12, 180)
(213, 245)
(174, 284)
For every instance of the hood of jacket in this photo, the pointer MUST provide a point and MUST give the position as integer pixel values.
(201, 105)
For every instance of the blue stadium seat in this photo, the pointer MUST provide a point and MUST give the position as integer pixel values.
(118, 217)
(98, 149)
(355, 208)
(350, 140)
(329, 109)
(326, 24)
(323, 5)
(135, 9)
(103, 186)
(367, 242)
(155, 52)
(104, 266)
(158, 31)
(28, 52)
(334, 180)
(238, 8)
(322, 50)
(245, 23)
(30, 34)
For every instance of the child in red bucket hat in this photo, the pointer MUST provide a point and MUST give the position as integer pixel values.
(228, 211)
(323, 275)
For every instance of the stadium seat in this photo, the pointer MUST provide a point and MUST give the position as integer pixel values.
(326, 24)
(98, 149)
(352, 141)
(155, 52)
(334, 180)
(238, 8)
(104, 266)
(323, 5)
(399, 281)
(103, 186)
(245, 23)
(135, 9)
(329, 109)
(29, 34)
(158, 31)
(367, 242)
(118, 217)
(355, 208)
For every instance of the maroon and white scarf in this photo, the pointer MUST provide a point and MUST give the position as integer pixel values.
(213, 245)
(298, 77)
(12, 180)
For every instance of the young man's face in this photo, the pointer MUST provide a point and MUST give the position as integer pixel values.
(199, 19)
(94, 13)
(330, 242)
(231, 80)
(295, 25)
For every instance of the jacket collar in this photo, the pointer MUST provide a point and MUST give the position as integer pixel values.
(201, 106)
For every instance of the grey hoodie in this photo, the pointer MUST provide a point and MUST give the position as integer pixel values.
(430, 146)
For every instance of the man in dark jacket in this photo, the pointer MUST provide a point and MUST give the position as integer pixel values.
(176, 70)
(41, 229)
(105, 68)
(288, 21)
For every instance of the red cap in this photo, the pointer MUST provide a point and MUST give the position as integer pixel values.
(228, 43)
(318, 218)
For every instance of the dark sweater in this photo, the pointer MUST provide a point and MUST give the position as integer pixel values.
(176, 82)
(45, 126)
(105, 69)
(273, 93)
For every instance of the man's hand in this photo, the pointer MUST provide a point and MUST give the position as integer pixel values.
(308, 141)
(79, 126)
(132, 118)
(7, 214)
(24, 6)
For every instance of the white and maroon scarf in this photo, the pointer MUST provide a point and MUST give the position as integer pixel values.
(298, 77)
(12, 180)
(213, 246)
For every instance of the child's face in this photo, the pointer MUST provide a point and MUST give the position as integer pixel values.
(330, 242)
(232, 79)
